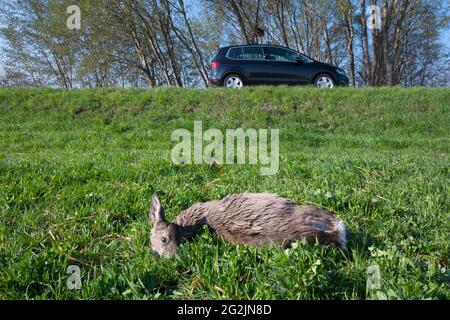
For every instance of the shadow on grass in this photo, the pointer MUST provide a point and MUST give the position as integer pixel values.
(359, 241)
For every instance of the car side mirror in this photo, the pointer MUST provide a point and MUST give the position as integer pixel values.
(299, 61)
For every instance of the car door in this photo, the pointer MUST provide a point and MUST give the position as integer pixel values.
(284, 69)
(253, 63)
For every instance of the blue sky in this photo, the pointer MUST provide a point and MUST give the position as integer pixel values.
(446, 37)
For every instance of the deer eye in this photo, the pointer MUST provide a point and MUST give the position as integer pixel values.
(163, 240)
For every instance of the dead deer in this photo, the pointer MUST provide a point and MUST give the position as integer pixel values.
(251, 219)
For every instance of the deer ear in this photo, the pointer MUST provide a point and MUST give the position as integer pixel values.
(156, 211)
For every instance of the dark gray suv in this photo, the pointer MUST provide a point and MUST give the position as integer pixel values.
(236, 66)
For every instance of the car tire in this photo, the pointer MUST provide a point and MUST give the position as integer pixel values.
(233, 81)
(324, 81)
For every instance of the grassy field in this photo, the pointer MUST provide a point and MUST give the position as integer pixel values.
(77, 170)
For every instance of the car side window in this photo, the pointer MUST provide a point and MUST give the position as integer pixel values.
(239, 54)
(231, 53)
(304, 58)
(280, 54)
(235, 53)
(252, 53)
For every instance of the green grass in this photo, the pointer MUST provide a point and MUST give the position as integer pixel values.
(77, 170)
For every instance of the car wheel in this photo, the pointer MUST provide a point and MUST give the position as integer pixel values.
(324, 81)
(233, 81)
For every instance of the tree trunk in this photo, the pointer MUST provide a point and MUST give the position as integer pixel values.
(348, 12)
(240, 20)
(195, 51)
(388, 79)
(365, 44)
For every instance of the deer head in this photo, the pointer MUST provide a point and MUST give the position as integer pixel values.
(164, 237)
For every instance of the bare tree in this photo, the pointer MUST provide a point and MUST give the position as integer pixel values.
(190, 42)
(168, 43)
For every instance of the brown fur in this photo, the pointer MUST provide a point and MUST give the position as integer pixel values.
(251, 219)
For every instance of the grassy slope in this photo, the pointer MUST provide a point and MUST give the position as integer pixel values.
(77, 170)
